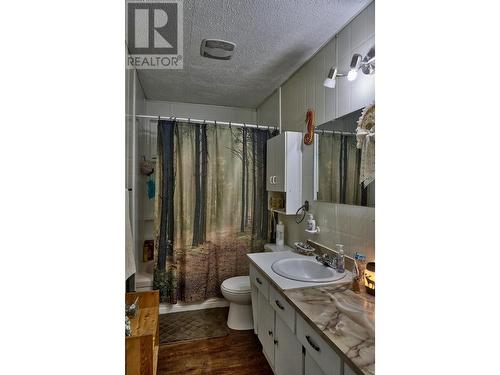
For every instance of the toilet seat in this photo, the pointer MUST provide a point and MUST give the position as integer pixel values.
(237, 285)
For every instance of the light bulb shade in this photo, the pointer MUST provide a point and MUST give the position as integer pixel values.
(355, 61)
(368, 63)
(330, 83)
(330, 79)
(351, 76)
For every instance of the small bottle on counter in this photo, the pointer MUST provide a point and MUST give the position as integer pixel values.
(358, 272)
(340, 258)
(280, 234)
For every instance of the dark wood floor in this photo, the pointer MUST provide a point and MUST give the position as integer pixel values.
(239, 353)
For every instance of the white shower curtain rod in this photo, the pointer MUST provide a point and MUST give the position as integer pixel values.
(320, 131)
(213, 122)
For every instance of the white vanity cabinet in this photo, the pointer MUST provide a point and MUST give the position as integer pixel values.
(324, 356)
(266, 328)
(287, 350)
(311, 367)
(279, 343)
(291, 345)
(284, 168)
(348, 370)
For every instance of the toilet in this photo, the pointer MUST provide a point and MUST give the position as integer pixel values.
(238, 292)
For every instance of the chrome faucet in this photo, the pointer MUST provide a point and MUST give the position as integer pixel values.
(327, 260)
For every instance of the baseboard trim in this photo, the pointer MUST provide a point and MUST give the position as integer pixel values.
(167, 308)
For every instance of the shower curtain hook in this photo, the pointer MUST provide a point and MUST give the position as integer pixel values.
(215, 123)
(189, 120)
(229, 125)
(257, 126)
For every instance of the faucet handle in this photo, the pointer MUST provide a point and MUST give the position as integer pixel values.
(327, 260)
(321, 258)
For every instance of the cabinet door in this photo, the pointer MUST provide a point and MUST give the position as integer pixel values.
(348, 370)
(287, 350)
(311, 367)
(266, 328)
(325, 357)
(255, 308)
(279, 182)
(271, 163)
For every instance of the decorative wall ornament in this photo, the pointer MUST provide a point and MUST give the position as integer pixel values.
(310, 118)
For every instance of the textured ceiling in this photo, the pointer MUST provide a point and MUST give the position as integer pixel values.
(273, 39)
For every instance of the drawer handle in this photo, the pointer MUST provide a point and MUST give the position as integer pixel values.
(270, 333)
(279, 305)
(258, 280)
(313, 345)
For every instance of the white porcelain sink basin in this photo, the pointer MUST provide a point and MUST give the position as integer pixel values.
(302, 269)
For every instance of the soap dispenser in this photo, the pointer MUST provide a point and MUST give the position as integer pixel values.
(340, 258)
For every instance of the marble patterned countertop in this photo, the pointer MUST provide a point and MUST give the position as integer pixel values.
(344, 318)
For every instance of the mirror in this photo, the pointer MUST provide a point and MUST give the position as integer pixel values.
(337, 163)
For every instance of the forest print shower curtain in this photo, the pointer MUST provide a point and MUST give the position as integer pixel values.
(211, 207)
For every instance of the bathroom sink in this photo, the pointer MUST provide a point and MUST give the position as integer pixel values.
(308, 270)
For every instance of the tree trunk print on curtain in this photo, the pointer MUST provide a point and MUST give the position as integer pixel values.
(219, 208)
(164, 278)
(199, 233)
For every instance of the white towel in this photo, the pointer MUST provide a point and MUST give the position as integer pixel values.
(365, 137)
(129, 240)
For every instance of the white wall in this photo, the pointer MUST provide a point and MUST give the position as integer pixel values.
(351, 225)
(267, 113)
(201, 111)
(134, 104)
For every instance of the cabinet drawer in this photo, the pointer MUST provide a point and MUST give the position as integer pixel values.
(320, 351)
(259, 281)
(282, 308)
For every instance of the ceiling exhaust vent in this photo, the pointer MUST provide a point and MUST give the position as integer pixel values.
(217, 49)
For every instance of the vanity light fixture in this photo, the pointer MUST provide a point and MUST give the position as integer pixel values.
(366, 64)
(355, 62)
(330, 80)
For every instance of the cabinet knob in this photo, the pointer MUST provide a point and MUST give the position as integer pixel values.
(258, 280)
(275, 342)
(270, 333)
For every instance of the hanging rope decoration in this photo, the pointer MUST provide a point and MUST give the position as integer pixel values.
(309, 136)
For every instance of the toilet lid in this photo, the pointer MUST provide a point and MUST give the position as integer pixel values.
(237, 284)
